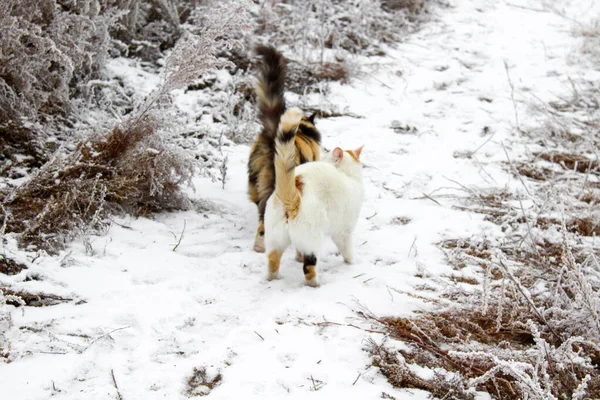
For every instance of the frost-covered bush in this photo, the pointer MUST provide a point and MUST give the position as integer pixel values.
(6, 323)
(128, 169)
(591, 45)
(510, 340)
(47, 49)
(134, 167)
(311, 27)
(146, 28)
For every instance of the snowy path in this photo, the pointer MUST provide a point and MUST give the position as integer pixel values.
(208, 304)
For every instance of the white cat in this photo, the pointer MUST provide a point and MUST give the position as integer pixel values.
(311, 201)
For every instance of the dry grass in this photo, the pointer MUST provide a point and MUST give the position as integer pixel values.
(398, 373)
(573, 162)
(304, 78)
(473, 345)
(9, 266)
(23, 298)
(412, 8)
(509, 339)
(20, 150)
(200, 383)
(524, 321)
(128, 169)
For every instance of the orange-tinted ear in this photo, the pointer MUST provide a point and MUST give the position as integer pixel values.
(337, 154)
(357, 151)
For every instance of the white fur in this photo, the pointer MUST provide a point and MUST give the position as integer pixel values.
(330, 206)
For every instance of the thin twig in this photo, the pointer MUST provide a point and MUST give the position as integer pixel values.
(432, 199)
(529, 300)
(103, 336)
(515, 170)
(180, 237)
(533, 242)
(461, 185)
(258, 334)
(483, 144)
(411, 247)
(512, 95)
(112, 373)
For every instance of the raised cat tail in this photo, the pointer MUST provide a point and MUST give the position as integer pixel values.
(286, 186)
(271, 103)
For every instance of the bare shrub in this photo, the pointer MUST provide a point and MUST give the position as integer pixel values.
(355, 26)
(507, 340)
(47, 49)
(530, 328)
(396, 369)
(9, 266)
(129, 169)
(132, 168)
(20, 150)
(411, 7)
(305, 78)
(6, 323)
(591, 44)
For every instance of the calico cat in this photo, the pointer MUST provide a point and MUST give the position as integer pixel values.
(311, 201)
(271, 105)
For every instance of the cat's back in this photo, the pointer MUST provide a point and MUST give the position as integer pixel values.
(323, 182)
(316, 170)
(317, 177)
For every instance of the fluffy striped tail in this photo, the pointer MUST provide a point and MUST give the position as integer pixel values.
(286, 186)
(271, 103)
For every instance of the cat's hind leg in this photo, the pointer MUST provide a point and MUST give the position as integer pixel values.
(275, 246)
(308, 243)
(277, 238)
(345, 246)
(259, 240)
(310, 270)
(274, 261)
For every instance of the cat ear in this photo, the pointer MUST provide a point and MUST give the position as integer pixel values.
(337, 154)
(357, 151)
(311, 119)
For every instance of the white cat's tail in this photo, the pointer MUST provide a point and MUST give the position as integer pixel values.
(286, 185)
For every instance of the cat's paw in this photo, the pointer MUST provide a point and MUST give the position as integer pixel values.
(273, 276)
(351, 260)
(314, 282)
(259, 244)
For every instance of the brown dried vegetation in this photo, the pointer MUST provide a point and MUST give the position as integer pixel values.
(9, 266)
(40, 299)
(129, 169)
(200, 384)
(532, 330)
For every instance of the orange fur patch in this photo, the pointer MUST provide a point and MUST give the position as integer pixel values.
(274, 258)
(309, 149)
(286, 190)
(261, 228)
(253, 193)
(299, 184)
(353, 155)
(311, 274)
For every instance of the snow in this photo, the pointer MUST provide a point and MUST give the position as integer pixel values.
(150, 314)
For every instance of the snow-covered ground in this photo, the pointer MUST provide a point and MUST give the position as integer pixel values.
(145, 315)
